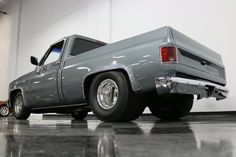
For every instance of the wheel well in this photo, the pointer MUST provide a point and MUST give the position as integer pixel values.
(90, 78)
(13, 95)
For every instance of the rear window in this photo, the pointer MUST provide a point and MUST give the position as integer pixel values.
(81, 46)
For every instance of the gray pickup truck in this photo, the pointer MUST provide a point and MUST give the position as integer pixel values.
(162, 69)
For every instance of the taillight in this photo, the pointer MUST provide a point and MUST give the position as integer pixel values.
(168, 54)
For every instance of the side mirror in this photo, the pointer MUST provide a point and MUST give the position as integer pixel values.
(34, 60)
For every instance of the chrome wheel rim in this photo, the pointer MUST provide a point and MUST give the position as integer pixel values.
(18, 105)
(4, 111)
(107, 94)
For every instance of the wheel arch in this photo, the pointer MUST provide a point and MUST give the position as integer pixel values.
(88, 80)
(13, 95)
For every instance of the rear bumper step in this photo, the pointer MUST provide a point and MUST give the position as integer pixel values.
(177, 85)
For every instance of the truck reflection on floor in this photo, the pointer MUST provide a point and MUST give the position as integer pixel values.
(111, 139)
(54, 145)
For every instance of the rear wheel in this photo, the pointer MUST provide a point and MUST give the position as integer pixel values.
(79, 115)
(19, 109)
(171, 107)
(112, 99)
(4, 111)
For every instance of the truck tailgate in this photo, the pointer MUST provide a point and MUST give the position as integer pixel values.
(197, 60)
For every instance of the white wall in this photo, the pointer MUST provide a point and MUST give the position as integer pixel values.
(7, 27)
(211, 22)
(4, 50)
(44, 22)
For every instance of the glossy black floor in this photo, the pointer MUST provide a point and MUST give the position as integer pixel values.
(195, 135)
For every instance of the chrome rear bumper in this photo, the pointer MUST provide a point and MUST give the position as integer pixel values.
(203, 89)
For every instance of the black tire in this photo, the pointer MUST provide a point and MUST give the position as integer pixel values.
(171, 107)
(19, 109)
(4, 111)
(128, 106)
(79, 115)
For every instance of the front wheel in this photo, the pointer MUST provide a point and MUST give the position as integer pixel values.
(4, 111)
(19, 109)
(112, 99)
(171, 107)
